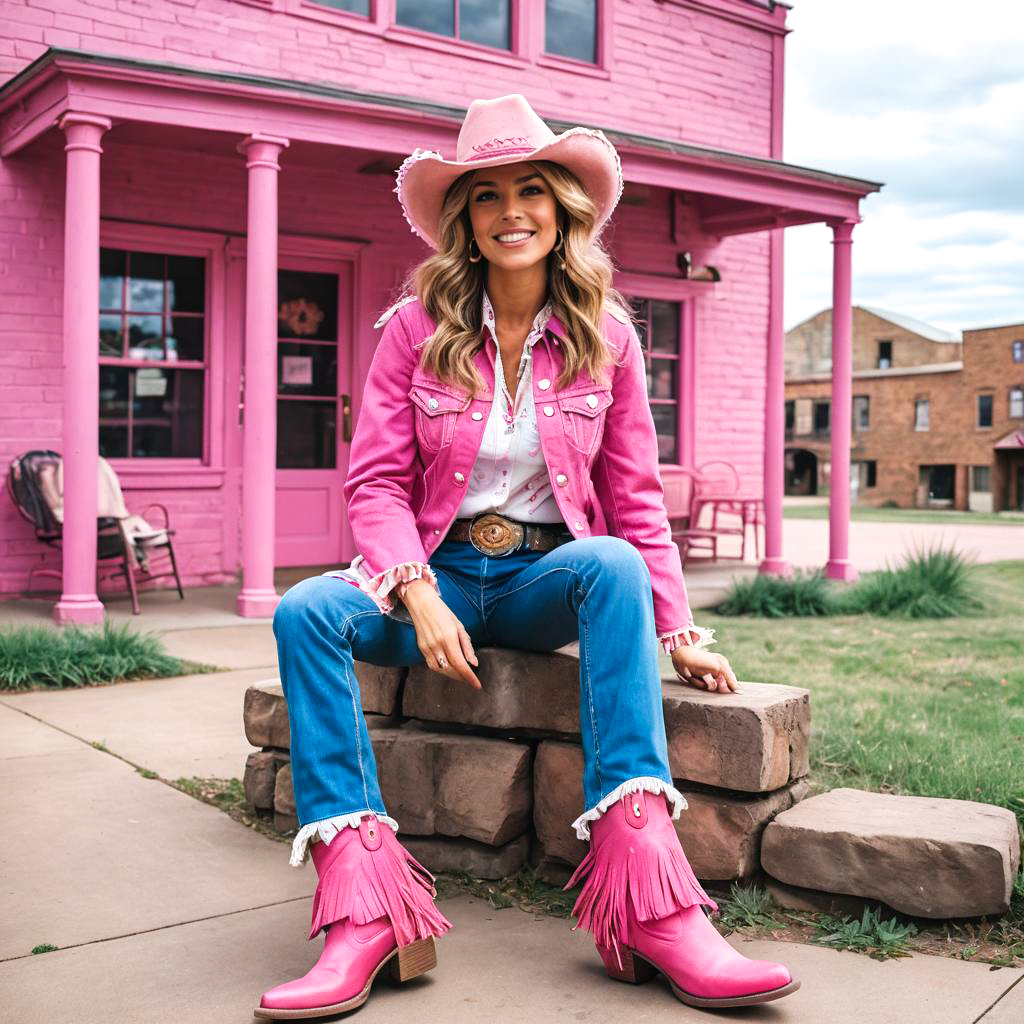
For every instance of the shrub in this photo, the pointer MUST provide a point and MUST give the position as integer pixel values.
(931, 584)
(35, 656)
(771, 597)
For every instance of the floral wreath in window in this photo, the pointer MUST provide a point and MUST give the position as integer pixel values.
(302, 316)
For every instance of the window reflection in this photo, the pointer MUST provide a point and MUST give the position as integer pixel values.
(570, 29)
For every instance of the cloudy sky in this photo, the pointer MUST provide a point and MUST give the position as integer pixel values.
(926, 96)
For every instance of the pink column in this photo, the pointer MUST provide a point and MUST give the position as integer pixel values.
(839, 566)
(258, 597)
(774, 419)
(78, 601)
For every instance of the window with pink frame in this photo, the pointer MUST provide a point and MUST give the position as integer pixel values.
(153, 359)
(657, 324)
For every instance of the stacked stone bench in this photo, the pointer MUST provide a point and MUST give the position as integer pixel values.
(485, 782)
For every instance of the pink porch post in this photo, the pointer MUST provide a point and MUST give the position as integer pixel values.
(259, 441)
(774, 421)
(78, 602)
(839, 566)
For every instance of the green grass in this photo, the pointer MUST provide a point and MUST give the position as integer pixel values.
(44, 947)
(929, 584)
(36, 657)
(877, 937)
(863, 513)
(923, 707)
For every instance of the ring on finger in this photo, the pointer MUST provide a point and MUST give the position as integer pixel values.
(442, 661)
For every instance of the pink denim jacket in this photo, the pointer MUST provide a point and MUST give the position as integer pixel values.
(417, 439)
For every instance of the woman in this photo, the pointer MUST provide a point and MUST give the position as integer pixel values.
(506, 436)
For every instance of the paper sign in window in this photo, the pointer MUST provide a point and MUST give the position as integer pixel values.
(297, 370)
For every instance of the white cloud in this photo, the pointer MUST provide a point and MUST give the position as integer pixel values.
(931, 102)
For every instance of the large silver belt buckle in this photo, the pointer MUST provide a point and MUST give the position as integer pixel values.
(494, 535)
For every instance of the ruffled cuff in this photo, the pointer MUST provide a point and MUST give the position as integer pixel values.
(379, 587)
(694, 636)
(327, 828)
(647, 783)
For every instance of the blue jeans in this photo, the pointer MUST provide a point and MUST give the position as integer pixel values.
(594, 589)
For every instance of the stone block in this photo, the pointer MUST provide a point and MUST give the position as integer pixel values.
(440, 853)
(265, 712)
(260, 777)
(923, 856)
(755, 741)
(522, 690)
(265, 715)
(558, 801)
(721, 832)
(455, 785)
(378, 687)
(285, 818)
(796, 897)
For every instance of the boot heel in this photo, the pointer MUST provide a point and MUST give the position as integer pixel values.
(634, 969)
(413, 960)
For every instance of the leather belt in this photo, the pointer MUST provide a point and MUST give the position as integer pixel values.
(497, 535)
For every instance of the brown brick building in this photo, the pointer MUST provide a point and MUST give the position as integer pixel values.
(936, 421)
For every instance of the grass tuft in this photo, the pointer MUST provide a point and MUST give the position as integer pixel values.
(771, 597)
(748, 907)
(879, 939)
(44, 947)
(34, 657)
(930, 584)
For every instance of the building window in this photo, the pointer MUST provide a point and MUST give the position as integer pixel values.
(981, 479)
(861, 412)
(884, 355)
(152, 354)
(658, 327)
(984, 411)
(1018, 351)
(937, 486)
(863, 474)
(307, 369)
(790, 416)
(352, 6)
(570, 29)
(921, 414)
(475, 21)
(822, 418)
(1016, 403)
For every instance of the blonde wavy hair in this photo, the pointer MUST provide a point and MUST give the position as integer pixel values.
(451, 287)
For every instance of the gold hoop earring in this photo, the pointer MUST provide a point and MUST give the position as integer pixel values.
(479, 256)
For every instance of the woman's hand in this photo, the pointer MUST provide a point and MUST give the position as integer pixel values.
(440, 636)
(704, 670)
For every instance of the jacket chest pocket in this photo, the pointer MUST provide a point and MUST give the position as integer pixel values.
(436, 413)
(583, 414)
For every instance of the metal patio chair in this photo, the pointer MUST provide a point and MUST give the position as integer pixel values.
(125, 542)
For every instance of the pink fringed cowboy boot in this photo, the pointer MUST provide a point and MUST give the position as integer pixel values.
(376, 902)
(642, 903)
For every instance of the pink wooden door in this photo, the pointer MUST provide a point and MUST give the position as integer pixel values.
(314, 305)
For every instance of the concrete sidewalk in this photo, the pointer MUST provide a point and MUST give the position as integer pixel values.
(165, 909)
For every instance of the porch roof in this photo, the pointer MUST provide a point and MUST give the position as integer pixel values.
(732, 193)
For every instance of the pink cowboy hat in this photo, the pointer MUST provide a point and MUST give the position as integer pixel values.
(504, 131)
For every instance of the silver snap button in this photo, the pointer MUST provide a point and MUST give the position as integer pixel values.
(579, 525)
(591, 400)
(561, 479)
(636, 809)
(459, 478)
(478, 415)
(549, 410)
(437, 531)
(544, 384)
(432, 403)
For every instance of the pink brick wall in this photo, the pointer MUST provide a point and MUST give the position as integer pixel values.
(711, 75)
(676, 72)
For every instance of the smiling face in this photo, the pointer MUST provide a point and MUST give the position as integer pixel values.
(513, 214)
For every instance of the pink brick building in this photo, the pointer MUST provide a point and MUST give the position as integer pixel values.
(198, 231)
